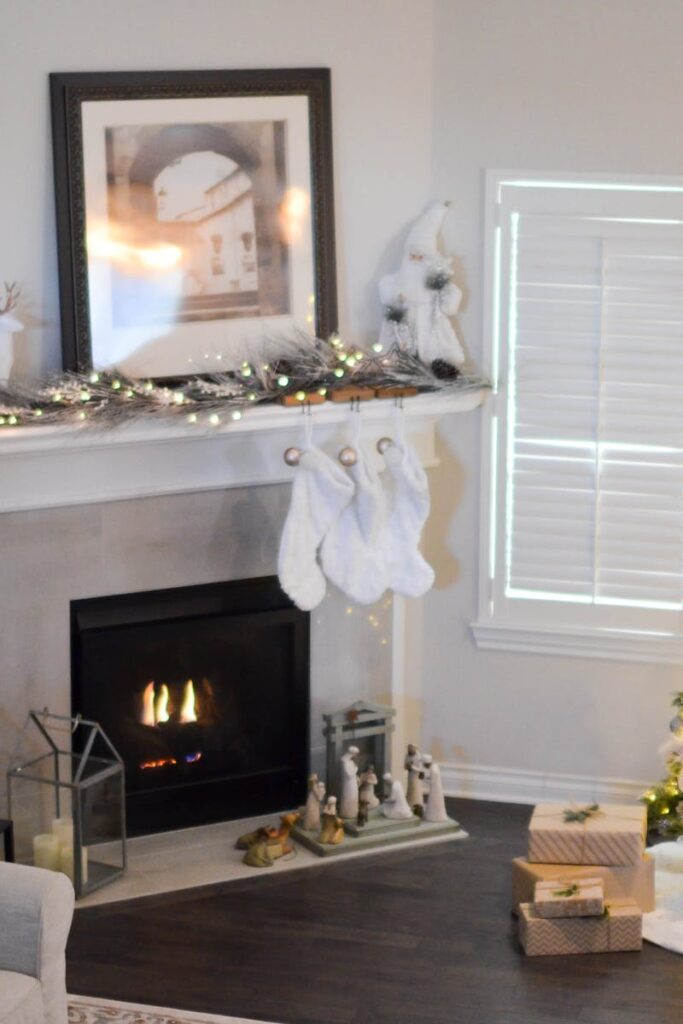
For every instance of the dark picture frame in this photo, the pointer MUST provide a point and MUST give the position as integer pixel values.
(69, 93)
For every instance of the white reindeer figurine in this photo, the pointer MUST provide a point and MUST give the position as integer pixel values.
(9, 325)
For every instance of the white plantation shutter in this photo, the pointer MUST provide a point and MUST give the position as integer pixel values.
(587, 416)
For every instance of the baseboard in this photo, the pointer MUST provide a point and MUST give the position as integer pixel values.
(521, 786)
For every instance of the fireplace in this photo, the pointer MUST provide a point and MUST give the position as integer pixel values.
(204, 691)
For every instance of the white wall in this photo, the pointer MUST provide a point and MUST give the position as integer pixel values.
(586, 85)
(380, 53)
(591, 85)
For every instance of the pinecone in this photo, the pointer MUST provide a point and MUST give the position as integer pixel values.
(282, 366)
(444, 370)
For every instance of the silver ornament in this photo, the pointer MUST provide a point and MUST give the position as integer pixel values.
(348, 456)
(676, 726)
(383, 444)
(292, 456)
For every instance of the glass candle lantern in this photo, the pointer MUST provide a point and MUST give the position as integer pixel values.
(81, 787)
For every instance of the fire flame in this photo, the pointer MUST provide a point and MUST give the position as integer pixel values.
(158, 764)
(188, 710)
(161, 712)
(148, 715)
(156, 705)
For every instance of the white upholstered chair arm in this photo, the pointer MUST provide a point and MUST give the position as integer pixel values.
(36, 910)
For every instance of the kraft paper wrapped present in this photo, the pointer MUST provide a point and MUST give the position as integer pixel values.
(597, 834)
(619, 929)
(573, 897)
(636, 882)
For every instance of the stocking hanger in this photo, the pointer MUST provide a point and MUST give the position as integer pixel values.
(292, 456)
(348, 456)
(399, 423)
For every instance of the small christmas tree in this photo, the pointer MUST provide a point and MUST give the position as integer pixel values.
(664, 801)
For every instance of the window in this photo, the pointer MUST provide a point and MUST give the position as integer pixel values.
(583, 480)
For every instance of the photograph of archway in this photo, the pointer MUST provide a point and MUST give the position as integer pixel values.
(212, 194)
(195, 217)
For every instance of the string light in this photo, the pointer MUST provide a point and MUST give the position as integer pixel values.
(251, 396)
(178, 397)
(236, 414)
(378, 347)
(85, 396)
(12, 421)
(300, 396)
(214, 419)
(116, 385)
(192, 418)
(322, 391)
(338, 372)
(246, 370)
(94, 378)
(283, 380)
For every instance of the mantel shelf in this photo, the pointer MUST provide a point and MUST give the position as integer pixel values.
(46, 467)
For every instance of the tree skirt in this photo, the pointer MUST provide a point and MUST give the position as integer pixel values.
(664, 926)
(88, 1010)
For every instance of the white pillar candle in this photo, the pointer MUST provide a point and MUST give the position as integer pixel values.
(67, 862)
(47, 852)
(63, 828)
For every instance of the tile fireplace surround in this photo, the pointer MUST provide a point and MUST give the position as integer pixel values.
(148, 507)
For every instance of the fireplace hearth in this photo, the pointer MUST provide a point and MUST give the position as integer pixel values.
(204, 691)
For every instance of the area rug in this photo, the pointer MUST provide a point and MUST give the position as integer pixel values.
(664, 926)
(88, 1010)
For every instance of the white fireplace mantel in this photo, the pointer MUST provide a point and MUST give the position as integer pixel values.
(48, 467)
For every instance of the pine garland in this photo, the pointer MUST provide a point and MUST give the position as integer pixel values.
(308, 365)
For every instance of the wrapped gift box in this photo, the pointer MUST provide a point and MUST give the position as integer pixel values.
(573, 897)
(636, 882)
(611, 834)
(619, 929)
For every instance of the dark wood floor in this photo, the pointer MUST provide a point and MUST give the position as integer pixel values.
(409, 937)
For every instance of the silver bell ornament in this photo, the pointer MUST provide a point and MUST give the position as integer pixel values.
(383, 444)
(292, 456)
(348, 456)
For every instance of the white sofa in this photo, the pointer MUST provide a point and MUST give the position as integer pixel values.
(36, 909)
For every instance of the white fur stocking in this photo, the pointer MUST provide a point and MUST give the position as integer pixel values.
(408, 572)
(352, 554)
(320, 492)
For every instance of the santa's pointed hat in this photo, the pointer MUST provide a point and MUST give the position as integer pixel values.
(423, 235)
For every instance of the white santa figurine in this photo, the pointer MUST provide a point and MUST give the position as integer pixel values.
(420, 297)
(395, 805)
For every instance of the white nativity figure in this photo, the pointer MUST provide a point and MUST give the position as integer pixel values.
(9, 325)
(420, 297)
(395, 805)
(316, 793)
(348, 805)
(415, 795)
(436, 804)
(368, 781)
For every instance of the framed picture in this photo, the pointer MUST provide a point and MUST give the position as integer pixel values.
(194, 214)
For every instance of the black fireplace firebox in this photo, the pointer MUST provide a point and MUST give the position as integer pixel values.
(204, 691)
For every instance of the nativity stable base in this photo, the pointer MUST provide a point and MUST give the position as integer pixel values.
(379, 832)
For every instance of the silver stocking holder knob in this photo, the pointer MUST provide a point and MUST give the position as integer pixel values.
(383, 444)
(348, 456)
(292, 456)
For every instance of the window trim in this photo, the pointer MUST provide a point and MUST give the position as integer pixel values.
(526, 631)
